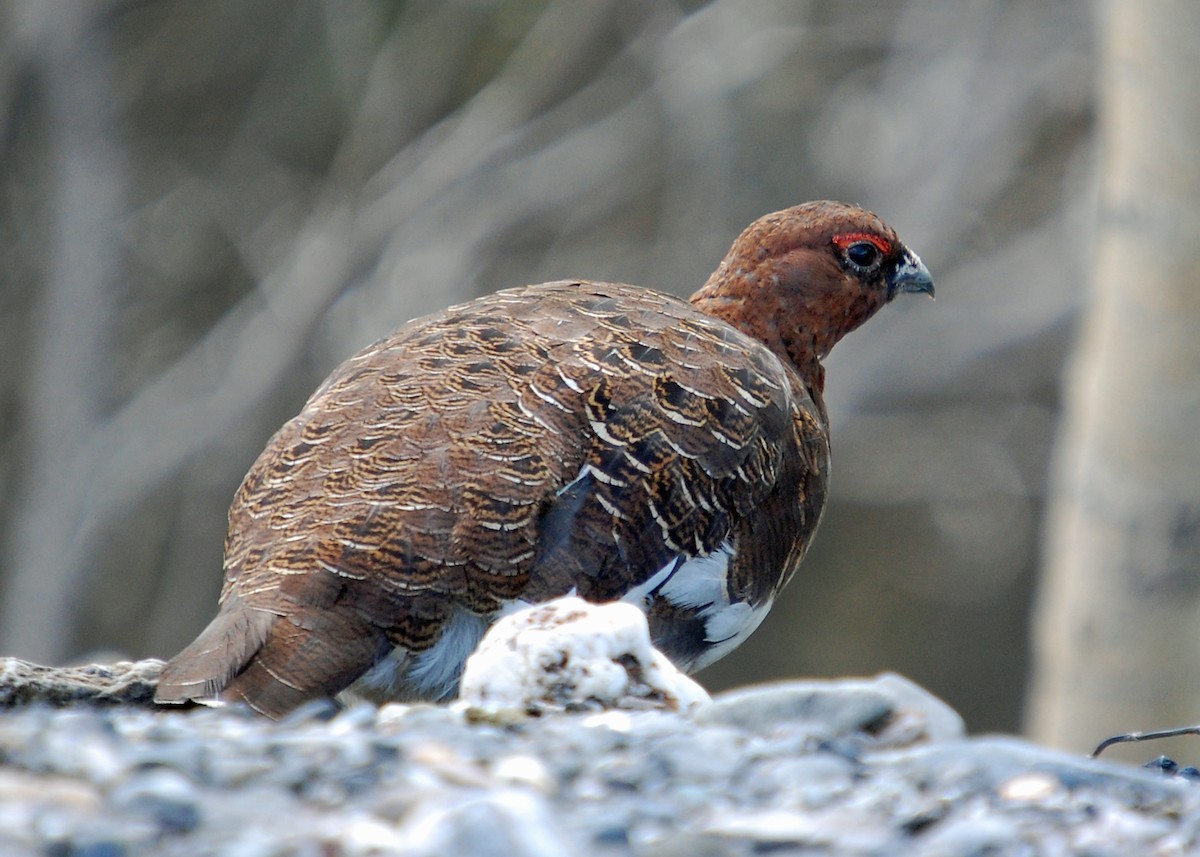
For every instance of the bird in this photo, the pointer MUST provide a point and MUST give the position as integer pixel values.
(581, 438)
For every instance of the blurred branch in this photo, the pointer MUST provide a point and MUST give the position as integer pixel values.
(106, 466)
(70, 367)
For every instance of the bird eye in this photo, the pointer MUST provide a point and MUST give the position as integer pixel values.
(864, 254)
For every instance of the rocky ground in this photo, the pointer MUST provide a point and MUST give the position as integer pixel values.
(89, 767)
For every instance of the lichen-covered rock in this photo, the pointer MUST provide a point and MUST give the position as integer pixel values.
(570, 654)
(123, 683)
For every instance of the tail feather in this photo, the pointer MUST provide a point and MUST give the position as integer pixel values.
(202, 670)
(273, 662)
(308, 655)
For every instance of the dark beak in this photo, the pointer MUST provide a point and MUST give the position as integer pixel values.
(910, 275)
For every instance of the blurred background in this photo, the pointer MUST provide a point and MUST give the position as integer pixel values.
(208, 204)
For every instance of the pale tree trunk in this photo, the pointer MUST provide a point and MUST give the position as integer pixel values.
(1118, 625)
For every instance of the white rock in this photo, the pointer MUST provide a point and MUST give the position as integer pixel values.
(570, 654)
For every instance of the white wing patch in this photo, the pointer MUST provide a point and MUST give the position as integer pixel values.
(700, 581)
(728, 627)
(700, 584)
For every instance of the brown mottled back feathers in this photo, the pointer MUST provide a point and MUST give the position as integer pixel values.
(569, 436)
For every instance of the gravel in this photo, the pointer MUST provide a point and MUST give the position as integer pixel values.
(854, 767)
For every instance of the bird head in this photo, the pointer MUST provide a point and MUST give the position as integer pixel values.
(802, 278)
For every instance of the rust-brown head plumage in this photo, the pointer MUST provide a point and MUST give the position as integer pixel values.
(802, 278)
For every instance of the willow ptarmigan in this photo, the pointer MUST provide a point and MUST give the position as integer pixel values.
(573, 437)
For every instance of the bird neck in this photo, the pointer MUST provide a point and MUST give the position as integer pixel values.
(795, 323)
